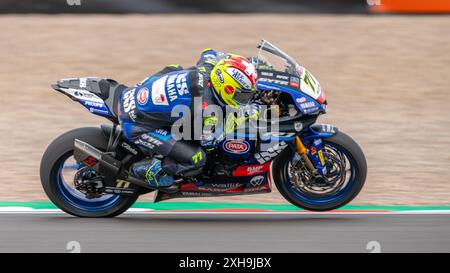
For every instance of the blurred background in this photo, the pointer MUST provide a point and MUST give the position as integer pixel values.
(384, 65)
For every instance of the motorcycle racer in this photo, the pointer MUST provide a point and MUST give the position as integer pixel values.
(145, 112)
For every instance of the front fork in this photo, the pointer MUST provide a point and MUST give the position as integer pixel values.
(313, 156)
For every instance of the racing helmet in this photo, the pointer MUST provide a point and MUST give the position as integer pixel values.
(233, 79)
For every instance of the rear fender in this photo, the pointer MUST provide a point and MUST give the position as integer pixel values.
(92, 93)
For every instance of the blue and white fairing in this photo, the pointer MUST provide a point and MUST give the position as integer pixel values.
(279, 71)
(306, 104)
(92, 102)
(87, 92)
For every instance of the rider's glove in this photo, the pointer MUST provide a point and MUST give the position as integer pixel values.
(247, 113)
(211, 135)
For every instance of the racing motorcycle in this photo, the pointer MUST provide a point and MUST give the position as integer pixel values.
(314, 166)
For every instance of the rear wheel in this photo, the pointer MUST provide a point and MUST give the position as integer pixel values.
(347, 170)
(58, 169)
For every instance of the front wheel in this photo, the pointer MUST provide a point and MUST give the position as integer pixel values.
(58, 168)
(347, 170)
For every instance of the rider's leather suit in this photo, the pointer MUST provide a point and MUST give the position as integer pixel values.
(145, 112)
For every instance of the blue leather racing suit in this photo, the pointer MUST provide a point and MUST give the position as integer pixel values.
(145, 112)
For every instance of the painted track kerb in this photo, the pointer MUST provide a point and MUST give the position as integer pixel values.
(193, 208)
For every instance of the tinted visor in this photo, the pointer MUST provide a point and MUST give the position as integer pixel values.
(243, 96)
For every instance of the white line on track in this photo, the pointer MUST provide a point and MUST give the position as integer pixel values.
(27, 210)
(287, 213)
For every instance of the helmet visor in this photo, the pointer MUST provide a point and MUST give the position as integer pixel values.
(243, 96)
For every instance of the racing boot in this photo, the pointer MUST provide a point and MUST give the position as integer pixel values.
(151, 172)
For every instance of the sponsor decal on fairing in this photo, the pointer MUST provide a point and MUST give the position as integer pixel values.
(251, 170)
(236, 147)
(300, 100)
(83, 82)
(143, 96)
(272, 152)
(257, 180)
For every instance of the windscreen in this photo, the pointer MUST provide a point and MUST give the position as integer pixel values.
(271, 57)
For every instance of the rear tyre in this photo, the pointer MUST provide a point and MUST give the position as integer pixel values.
(355, 160)
(65, 196)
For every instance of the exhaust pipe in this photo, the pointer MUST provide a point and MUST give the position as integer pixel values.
(95, 159)
(107, 166)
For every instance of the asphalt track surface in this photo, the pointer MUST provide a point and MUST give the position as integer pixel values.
(175, 232)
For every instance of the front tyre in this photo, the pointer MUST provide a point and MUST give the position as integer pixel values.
(58, 160)
(347, 170)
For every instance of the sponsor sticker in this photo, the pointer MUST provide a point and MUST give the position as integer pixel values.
(159, 93)
(240, 77)
(298, 126)
(283, 77)
(268, 74)
(94, 104)
(129, 104)
(229, 89)
(257, 180)
(90, 161)
(161, 132)
(271, 152)
(275, 81)
(322, 160)
(255, 169)
(295, 79)
(307, 105)
(225, 186)
(294, 84)
(328, 128)
(83, 82)
(200, 79)
(219, 75)
(143, 96)
(127, 147)
(300, 100)
(250, 69)
(236, 147)
(177, 85)
(251, 170)
(84, 95)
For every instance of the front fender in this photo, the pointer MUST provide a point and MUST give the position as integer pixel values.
(320, 131)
